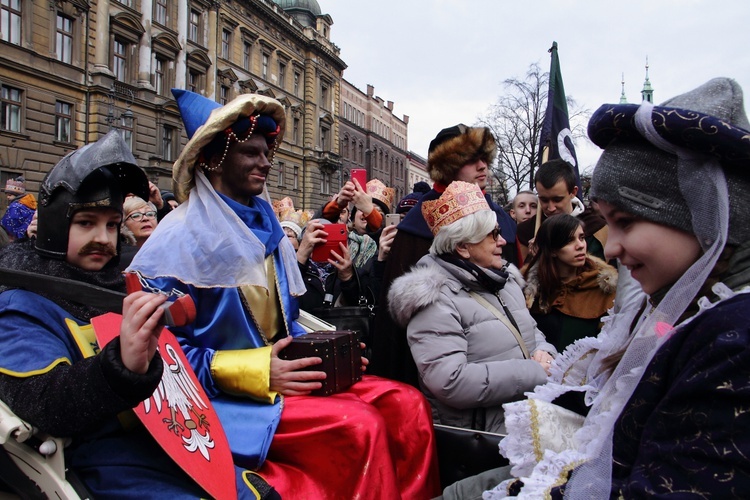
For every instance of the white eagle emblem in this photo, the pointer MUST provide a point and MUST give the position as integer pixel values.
(178, 391)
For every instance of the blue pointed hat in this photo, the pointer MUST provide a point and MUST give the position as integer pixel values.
(194, 108)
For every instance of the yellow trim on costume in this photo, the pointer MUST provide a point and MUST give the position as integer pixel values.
(49, 367)
(536, 442)
(244, 372)
(562, 478)
(85, 338)
(249, 484)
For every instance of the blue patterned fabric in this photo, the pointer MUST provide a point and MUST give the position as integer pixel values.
(17, 219)
(687, 426)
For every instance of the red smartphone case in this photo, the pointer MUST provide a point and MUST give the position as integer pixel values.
(361, 175)
(336, 234)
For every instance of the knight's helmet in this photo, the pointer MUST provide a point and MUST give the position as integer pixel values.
(100, 174)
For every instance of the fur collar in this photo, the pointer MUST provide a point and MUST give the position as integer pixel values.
(423, 285)
(605, 275)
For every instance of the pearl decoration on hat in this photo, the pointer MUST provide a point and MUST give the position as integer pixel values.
(232, 136)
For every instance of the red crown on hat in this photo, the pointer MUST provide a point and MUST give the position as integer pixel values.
(459, 200)
(380, 192)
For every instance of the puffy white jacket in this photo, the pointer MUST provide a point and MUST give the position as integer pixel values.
(466, 357)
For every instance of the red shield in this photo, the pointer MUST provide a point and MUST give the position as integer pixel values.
(180, 417)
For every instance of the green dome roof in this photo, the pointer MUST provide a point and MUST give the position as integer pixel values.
(308, 5)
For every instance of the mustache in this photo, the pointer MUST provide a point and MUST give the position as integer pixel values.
(94, 247)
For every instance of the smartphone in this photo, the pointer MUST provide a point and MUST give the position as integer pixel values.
(392, 219)
(336, 234)
(361, 175)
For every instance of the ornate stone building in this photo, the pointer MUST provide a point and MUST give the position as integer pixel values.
(372, 137)
(70, 70)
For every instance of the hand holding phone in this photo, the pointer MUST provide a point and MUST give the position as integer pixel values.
(361, 175)
(392, 219)
(336, 234)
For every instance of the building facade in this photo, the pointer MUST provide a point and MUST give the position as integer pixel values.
(417, 171)
(71, 70)
(373, 138)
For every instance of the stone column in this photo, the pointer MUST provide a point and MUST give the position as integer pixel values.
(101, 50)
(144, 45)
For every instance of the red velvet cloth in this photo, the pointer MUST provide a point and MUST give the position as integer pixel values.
(374, 440)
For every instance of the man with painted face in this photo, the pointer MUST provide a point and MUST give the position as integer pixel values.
(51, 373)
(229, 253)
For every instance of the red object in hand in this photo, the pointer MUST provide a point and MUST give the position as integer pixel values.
(361, 175)
(336, 234)
(181, 312)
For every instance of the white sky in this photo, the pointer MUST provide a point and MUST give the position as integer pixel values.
(443, 61)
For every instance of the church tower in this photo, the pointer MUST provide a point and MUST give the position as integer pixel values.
(648, 92)
(623, 99)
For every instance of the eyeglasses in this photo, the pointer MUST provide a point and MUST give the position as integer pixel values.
(495, 233)
(136, 216)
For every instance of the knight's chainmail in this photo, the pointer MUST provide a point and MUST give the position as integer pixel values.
(22, 256)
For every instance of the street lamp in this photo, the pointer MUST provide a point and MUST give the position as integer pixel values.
(126, 117)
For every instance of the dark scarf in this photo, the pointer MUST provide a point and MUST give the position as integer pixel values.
(22, 256)
(491, 284)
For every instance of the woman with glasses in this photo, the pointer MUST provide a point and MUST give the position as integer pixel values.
(567, 290)
(473, 340)
(138, 223)
(140, 218)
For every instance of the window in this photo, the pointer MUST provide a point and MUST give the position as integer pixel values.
(264, 68)
(281, 174)
(325, 182)
(195, 81)
(223, 95)
(64, 39)
(324, 136)
(63, 115)
(295, 179)
(226, 43)
(160, 14)
(295, 131)
(126, 129)
(296, 83)
(247, 56)
(120, 60)
(10, 109)
(10, 21)
(282, 75)
(168, 143)
(194, 26)
(324, 96)
(159, 75)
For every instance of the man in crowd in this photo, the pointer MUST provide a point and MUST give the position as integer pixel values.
(524, 206)
(226, 249)
(51, 372)
(456, 153)
(556, 187)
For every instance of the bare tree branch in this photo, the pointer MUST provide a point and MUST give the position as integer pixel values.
(516, 122)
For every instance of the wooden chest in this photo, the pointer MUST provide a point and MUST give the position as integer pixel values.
(341, 355)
